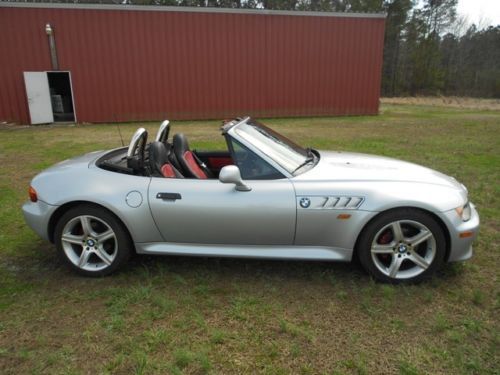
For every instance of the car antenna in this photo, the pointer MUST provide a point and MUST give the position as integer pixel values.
(119, 132)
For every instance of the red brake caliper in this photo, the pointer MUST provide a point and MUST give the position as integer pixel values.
(384, 239)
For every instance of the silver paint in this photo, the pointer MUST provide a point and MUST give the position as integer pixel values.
(134, 199)
(212, 218)
(214, 212)
(246, 251)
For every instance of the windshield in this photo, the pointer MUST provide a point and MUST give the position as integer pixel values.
(283, 151)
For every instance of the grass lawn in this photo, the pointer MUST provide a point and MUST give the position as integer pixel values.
(196, 315)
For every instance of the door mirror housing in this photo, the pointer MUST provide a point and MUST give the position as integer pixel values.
(230, 174)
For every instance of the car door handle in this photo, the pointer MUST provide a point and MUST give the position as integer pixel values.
(168, 196)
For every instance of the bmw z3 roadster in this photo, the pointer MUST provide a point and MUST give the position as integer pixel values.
(263, 197)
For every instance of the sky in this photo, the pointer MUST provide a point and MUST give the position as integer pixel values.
(481, 12)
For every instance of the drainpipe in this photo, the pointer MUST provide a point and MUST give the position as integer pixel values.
(52, 45)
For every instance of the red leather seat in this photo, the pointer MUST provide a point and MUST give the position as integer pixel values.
(168, 171)
(159, 162)
(190, 164)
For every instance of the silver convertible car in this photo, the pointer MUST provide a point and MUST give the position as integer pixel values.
(263, 197)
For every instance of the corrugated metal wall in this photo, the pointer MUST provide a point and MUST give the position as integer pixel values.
(151, 64)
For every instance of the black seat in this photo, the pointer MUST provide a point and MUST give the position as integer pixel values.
(188, 161)
(172, 158)
(159, 161)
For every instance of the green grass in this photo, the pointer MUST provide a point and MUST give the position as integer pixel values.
(194, 315)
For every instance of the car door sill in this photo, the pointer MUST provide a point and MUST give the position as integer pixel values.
(246, 251)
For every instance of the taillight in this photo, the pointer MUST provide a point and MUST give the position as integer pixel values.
(32, 194)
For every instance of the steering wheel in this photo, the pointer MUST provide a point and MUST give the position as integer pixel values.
(135, 152)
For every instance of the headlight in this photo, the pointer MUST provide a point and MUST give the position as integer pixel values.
(464, 212)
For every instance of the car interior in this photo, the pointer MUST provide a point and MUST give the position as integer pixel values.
(165, 158)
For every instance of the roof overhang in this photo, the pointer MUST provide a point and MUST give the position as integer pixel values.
(155, 8)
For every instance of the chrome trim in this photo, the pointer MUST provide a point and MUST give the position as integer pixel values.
(333, 202)
(164, 129)
(134, 141)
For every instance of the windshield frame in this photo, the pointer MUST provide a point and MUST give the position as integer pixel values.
(231, 130)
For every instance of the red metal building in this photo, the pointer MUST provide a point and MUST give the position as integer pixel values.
(125, 63)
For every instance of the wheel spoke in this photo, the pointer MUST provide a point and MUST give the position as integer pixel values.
(424, 235)
(395, 265)
(84, 258)
(397, 231)
(73, 239)
(419, 261)
(86, 226)
(101, 253)
(382, 249)
(105, 235)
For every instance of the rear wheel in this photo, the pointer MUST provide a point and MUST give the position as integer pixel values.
(404, 245)
(92, 241)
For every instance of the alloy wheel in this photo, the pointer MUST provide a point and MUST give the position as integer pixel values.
(89, 243)
(403, 249)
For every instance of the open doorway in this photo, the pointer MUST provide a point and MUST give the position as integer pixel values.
(61, 96)
(50, 97)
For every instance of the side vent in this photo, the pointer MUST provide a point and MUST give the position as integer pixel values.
(354, 202)
(347, 202)
(343, 202)
(332, 203)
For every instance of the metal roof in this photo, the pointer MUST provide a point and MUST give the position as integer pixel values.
(150, 65)
(155, 8)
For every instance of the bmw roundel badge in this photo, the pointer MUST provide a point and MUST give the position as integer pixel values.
(305, 202)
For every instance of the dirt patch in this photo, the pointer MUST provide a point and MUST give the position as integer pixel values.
(447, 101)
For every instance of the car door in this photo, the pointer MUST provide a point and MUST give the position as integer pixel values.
(211, 212)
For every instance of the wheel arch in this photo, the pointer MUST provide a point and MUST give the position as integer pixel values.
(430, 213)
(69, 205)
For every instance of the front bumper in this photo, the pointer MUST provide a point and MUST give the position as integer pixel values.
(37, 216)
(461, 247)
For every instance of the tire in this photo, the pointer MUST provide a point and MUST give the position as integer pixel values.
(402, 246)
(92, 241)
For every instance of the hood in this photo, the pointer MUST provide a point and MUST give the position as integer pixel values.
(349, 166)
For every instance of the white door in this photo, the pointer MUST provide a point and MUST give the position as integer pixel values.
(37, 89)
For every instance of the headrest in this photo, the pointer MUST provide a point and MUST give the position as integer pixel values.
(181, 145)
(158, 156)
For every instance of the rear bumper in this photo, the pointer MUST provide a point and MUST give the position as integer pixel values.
(37, 216)
(461, 247)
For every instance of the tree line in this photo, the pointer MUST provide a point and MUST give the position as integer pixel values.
(428, 50)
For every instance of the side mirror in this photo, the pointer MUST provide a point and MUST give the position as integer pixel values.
(230, 174)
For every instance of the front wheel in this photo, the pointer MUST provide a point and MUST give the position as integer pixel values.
(92, 241)
(403, 245)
